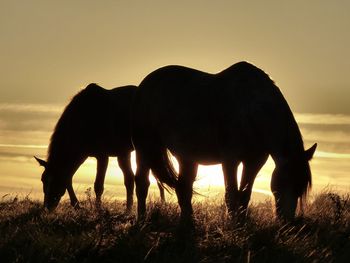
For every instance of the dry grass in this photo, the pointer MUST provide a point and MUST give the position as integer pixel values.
(30, 234)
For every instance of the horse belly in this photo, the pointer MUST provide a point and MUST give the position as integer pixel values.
(200, 142)
(111, 140)
(190, 145)
(210, 140)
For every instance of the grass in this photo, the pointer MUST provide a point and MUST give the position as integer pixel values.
(30, 234)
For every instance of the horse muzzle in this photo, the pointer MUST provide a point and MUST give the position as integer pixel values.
(51, 203)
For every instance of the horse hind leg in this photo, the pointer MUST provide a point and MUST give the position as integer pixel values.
(102, 163)
(142, 184)
(129, 179)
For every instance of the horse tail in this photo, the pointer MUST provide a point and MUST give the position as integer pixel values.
(146, 140)
(163, 169)
(155, 156)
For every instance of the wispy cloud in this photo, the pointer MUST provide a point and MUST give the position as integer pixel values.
(327, 136)
(31, 146)
(20, 107)
(18, 118)
(330, 131)
(324, 119)
(332, 155)
(15, 157)
(12, 153)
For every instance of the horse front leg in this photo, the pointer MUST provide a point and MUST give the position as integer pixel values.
(250, 170)
(247, 181)
(73, 198)
(142, 184)
(184, 188)
(129, 179)
(231, 186)
(102, 163)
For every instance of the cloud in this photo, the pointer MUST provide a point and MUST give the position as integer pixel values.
(37, 108)
(330, 131)
(327, 136)
(30, 146)
(28, 117)
(21, 139)
(15, 157)
(30, 126)
(323, 119)
(329, 140)
(20, 153)
(332, 155)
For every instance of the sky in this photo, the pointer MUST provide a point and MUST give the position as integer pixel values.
(52, 49)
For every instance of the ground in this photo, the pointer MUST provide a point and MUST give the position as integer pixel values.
(28, 233)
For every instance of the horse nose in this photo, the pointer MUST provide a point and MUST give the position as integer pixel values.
(50, 204)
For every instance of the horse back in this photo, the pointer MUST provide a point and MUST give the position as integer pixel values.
(234, 112)
(97, 121)
(117, 109)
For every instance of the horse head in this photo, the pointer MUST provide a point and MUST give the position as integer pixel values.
(291, 180)
(53, 186)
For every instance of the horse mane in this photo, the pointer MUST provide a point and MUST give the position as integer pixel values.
(72, 120)
(304, 185)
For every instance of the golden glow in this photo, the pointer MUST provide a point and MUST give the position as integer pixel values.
(208, 176)
(20, 173)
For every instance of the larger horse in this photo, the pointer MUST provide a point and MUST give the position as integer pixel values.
(237, 115)
(95, 123)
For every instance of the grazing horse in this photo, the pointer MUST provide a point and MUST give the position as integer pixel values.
(237, 115)
(95, 123)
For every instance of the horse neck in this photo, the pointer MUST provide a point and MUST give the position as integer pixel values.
(66, 146)
(66, 150)
(290, 145)
(63, 159)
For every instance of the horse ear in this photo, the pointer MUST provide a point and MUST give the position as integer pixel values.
(41, 162)
(310, 152)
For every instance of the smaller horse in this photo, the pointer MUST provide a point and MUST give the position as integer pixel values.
(95, 123)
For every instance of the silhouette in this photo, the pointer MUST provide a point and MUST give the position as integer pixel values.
(237, 115)
(95, 123)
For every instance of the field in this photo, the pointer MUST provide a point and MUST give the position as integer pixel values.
(30, 234)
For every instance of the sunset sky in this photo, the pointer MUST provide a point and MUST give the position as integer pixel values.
(50, 50)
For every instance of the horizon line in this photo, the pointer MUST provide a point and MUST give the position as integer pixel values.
(320, 154)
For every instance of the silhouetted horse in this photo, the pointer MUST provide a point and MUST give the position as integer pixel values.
(237, 115)
(95, 123)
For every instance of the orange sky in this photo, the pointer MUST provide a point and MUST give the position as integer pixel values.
(50, 50)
